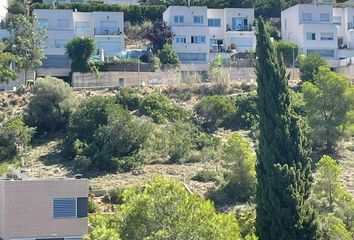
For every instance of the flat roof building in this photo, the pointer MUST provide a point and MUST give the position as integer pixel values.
(43, 209)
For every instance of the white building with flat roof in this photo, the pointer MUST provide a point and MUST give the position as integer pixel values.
(199, 31)
(106, 28)
(312, 28)
(321, 29)
(39, 209)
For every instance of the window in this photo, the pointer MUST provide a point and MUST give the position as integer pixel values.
(179, 19)
(60, 43)
(327, 36)
(198, 19)
(214, 22)
(198, 39)
(321, 52)
(109, 27)
(239, 24)
(180, 39)
(64, 208)
(306, 17)
(82, 27)
(310, 36)
(43, 23)
(324, 17)
(337, 20)
(63, 23)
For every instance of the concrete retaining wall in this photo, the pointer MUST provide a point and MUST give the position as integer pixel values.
(171, 77)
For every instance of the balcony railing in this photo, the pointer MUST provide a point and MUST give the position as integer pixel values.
(107, 32)
(242, 28)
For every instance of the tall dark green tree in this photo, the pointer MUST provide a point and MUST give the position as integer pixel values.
(283, 166)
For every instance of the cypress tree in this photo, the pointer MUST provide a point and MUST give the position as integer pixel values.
(283, 163)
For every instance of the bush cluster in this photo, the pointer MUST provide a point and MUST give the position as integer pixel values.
(105, 136)
(14, 137)
(50, 105)
(161, 109)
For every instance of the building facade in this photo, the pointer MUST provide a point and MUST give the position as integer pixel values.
(106, 28)
(3, 9)
(200, 32)
(321, 29)
(50, 209)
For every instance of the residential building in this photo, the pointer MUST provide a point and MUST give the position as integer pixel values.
(106, 28)
(43, 209)
(313, 29)
(322, 29)
(200, 32)
(134, 2)
(3, 9)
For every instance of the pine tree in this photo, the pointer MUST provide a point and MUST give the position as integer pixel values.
(283, 166)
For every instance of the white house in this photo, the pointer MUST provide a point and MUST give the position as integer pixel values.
(106, 28)
(3, 9)
(313, 28)
(199, 31)
(321, 29)
(134, 2)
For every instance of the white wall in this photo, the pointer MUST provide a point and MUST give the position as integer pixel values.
(3, 9)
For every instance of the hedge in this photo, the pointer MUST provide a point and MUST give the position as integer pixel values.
(132, 13)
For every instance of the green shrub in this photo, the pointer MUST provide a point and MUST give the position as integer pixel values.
(50, 105)
(205, 176)
(129, 98)
(214, 110)
(80, 49)
(246, 115)
(309, 67)
(115, 195)
(92, 206)
(14, 135)
(168, 55)
(288, 51)
(165, 210)
(240, 177)
(160, 109)
(102, 135)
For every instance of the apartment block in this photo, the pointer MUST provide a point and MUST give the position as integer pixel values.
(311, 27)
(200, 31)
(321, 29)
(106, 28)
(43, 209)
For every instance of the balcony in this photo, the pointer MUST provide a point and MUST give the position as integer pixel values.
(107, 32)
(241, 28)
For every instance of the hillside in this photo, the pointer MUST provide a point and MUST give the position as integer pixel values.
(45, 158)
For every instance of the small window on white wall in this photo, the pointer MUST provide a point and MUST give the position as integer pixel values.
(310, 36)
(82, 26)
(63, 23)
(337, 20)
(60, 43)
(180, 39)
(324, 17)
(327, 36)
(306, 17)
